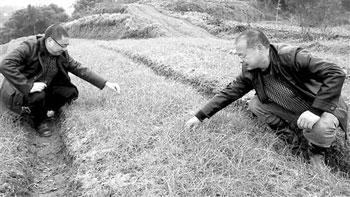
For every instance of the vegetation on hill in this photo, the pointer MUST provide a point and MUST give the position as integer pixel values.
(113, 26)
(221, 18)
(133, 21)
(6, 12)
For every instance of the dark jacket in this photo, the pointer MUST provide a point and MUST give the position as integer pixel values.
(312, 78)
(23, 66)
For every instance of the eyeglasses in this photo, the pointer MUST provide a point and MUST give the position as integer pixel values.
(63, 46)
(241, 55)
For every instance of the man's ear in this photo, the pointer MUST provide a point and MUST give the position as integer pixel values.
(261, 48)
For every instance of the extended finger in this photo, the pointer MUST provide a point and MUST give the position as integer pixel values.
(117, 89)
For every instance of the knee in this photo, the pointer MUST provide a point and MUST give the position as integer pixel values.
(324, 126)
(67, 93)
(72, 93)
(322, 134)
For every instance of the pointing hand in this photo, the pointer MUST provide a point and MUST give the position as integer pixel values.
(113, 86)
(192, 123)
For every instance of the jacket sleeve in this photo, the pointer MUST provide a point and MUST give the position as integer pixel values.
(85, 73)
(233, 91)
(330, 76)
(10, 68)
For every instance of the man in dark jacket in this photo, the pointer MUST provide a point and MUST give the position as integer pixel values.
(36, 78)
(293, 88)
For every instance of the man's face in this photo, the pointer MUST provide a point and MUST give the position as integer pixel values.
(57, 47)
(250, 57)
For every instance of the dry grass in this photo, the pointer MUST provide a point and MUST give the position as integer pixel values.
(14, 164)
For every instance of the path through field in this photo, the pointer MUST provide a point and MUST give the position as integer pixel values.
(49, 165)
(174, 27)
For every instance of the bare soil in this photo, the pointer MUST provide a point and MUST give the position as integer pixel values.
(50, 164)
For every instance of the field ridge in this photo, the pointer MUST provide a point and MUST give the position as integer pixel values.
(203, 86)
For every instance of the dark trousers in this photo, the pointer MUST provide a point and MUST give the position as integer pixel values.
(52, 98)
(322, 134)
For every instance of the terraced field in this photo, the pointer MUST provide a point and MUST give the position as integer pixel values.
(135, 144)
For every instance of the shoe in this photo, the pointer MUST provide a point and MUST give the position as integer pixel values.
(317, 161)
(44, 130)
(317, 156)
(288, 135)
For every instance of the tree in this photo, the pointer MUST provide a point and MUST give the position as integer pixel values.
(316, 13)
(83, 6)
(31, 20)
(346, 5)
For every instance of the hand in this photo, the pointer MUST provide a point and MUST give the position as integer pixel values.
(38, 87)
(192, 123)
(113, 86)
(307, 120)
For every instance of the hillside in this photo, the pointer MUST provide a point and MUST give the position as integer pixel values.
(154, 18)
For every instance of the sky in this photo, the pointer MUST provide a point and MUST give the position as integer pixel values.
(67, 5)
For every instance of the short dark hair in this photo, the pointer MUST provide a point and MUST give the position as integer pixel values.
(253, 37)
(56, 32)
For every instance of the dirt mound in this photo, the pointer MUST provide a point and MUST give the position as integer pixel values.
(137, 21)
(172, 26)
(113, 26)
(220, 9)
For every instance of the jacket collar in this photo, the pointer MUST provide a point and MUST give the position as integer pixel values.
(274, 60)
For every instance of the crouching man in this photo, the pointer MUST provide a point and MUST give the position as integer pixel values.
(36, 78)
(293, 88)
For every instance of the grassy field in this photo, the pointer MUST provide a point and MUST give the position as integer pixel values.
(14, 163)
(134, 144)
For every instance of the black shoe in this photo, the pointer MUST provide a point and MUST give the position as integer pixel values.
(44, 130)
(318, 161)
(288, 135)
